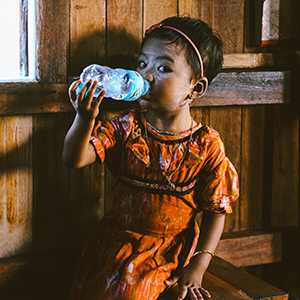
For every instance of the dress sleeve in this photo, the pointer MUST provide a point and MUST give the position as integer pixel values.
(219, 179)
(103, 138)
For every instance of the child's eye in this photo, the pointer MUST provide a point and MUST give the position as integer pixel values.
(164, 69)
(142, 64)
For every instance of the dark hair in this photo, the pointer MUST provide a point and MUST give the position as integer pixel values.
(208, 43)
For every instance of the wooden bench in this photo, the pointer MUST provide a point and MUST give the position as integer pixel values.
(227, 282)
(35, 277)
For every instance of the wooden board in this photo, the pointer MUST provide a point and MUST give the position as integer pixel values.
(51, 207)
(50, 276)
(249, 284)
(259, 60)
(227, 121)
(87, 192)
(246, 88)
(124, 27)
(16, 234)
(53, 39)
(155, 11)
(31, 98)
(227, 282)
(285, 176)
(252, 178)
(238, 248)
(87, 34)
(227, 21)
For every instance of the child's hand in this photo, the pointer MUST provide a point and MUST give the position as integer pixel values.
(189, 281)
(84, 104)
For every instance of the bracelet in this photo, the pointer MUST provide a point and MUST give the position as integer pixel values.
(204, 251)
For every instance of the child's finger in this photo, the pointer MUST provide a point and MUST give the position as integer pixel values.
(90, 92)
(196, 294)
(72, 89)
(205, 293)
(98, 100)
(183, 293)
(171, 280)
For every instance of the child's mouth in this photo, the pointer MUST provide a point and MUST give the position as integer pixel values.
(146, 96)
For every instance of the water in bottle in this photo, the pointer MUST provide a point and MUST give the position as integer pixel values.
(119, 84)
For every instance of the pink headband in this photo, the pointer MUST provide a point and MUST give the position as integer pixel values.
(161, 25)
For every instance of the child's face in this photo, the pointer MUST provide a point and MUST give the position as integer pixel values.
(166, 67)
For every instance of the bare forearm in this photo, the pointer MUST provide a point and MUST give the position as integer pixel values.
(77, 151)
(212, 226)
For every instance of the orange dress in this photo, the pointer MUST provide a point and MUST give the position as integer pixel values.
(151, 229)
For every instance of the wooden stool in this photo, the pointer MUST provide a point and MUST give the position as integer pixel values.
(224, 281)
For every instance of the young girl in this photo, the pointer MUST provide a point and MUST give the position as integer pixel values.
(168, 168)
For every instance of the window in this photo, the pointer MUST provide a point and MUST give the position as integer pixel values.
(17, 38)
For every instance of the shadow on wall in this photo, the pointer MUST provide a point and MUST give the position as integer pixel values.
(59, 221)
(90, 49)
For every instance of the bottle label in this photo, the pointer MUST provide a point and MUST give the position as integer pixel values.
(136, 87)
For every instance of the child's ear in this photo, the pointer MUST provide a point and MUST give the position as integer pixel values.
(199, 88)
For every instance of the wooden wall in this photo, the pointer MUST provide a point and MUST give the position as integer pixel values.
(45, 207)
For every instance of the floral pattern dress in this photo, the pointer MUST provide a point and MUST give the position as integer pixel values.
(151, 229)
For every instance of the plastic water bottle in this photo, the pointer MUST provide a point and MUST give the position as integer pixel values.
(119, 84)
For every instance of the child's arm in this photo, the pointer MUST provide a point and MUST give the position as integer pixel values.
(190, 279)
(77, 151)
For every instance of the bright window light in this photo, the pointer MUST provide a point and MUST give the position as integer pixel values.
(17, 39)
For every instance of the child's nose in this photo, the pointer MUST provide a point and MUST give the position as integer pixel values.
(148, 74)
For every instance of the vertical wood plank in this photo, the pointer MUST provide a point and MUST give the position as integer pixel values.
(2, 175)
(201, 115)
(16, 185)
(87, 201)
(252, 167)
(227, 121)
(156, 11)
(87, 34)
(124, 26)
(190, 7)
(53, 39)
(285, 192)
(227, 18)
(51, 183)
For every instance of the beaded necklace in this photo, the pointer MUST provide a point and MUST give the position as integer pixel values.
(169, 177)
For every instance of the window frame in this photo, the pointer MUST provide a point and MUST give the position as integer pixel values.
(48, 92)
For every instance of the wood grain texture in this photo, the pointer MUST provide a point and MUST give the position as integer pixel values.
(224, 281)
(31, 98)
(227, 19)
(249, 284)
(16, 234)
(53, 273)
(53, 38)
(227, 121)
(87, 34)
(190, 7)
(156, 11)
(246, 88)
(238, 248)
(51, 184)
(259, 60)
(87, 202)
(233, 88)
(124, 26)
(252, 167)
(285, 187)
